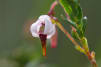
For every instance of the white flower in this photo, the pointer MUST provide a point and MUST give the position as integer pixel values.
(43, 26)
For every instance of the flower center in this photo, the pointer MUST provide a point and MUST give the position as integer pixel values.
(41, 31)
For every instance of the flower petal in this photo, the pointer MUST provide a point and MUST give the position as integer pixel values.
(49, 28)
(54, 40)
(34, 29)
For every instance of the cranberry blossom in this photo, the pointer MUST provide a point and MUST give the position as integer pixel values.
(43, 26)
(44, 29)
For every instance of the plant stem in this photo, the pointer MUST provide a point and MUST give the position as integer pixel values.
(67, 34)
(85, 50)
(51, 11)
(91, 59)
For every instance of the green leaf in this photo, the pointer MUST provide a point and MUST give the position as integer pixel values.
(75, 35)
(81, 27)
(70, 22)
(77, 1)
(84, 24)
(72, 8)
(80, 49)
(85, 43)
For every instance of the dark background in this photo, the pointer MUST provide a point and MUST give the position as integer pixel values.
(19, 49)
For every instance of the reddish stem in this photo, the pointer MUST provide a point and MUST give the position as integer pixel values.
(51, 11)
(92, 60)
(54, 40)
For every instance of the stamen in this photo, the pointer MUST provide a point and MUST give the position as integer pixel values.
(41, 31)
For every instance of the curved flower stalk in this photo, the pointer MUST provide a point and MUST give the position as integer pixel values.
(44, 29)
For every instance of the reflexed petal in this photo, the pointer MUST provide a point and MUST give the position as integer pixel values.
(43, 17)
(34, 29)
(49, 29)
(54, 40)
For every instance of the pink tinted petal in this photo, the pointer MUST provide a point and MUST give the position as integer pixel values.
(49, 28)
(54, 40)
(33, 29)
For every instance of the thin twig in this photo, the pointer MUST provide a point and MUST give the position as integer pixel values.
(66, 33)
(51, 11)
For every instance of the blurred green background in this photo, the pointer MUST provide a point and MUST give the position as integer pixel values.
(18, 49)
